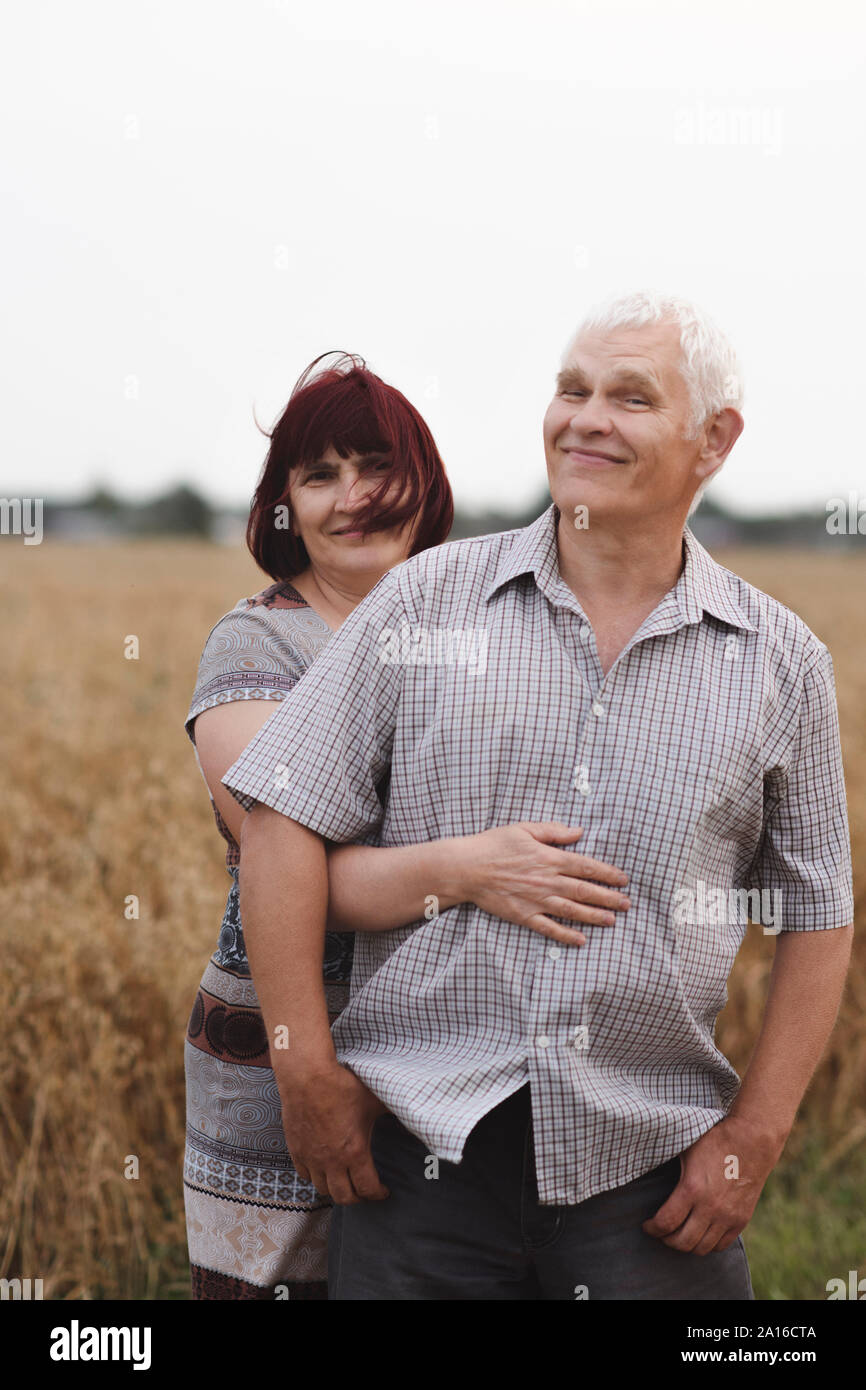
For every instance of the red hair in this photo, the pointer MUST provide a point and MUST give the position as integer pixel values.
(348, 407)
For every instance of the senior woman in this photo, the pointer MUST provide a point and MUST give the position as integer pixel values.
(352, 485)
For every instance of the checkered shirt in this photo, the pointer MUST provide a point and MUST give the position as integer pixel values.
(466, 692)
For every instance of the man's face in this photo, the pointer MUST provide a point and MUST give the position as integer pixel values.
(614, 433)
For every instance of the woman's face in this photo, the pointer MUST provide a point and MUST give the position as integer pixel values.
(326, 495)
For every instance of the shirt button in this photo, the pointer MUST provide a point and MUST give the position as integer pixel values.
(580, 779)
(598, 709)
(543, 1040)
(554, 952)
(584, 632)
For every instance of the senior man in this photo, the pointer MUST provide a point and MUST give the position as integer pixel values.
(496, 1116)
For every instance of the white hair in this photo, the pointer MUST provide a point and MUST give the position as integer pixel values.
(708, 362)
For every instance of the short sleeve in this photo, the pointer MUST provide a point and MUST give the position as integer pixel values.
(805, 853)
(249, 655)
(324, 757)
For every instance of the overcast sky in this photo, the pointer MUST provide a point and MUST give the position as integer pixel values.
(200, 197)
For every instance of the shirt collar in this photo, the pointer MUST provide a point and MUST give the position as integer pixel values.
(703, 586)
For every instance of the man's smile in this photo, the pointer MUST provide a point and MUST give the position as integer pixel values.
(592, 457)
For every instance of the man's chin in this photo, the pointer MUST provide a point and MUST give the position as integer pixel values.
(591, 504)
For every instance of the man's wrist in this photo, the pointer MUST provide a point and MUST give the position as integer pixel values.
(298, 1069)
(772, 1131)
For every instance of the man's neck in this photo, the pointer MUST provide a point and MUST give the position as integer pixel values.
(615, 568)
(618, 577)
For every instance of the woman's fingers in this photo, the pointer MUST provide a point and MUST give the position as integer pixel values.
(585, 912)
(579, 865)
(582, 866)
(582, 891)
(545, 926)
(553, 831)
(560, 931)
(579, 898)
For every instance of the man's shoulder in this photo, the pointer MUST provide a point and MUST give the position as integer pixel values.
(451, 576)
(468, 552)
(472, 559)
(781, 629)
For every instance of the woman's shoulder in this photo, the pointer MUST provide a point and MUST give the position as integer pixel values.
(258, 650)
(280, 596)
(278, 613)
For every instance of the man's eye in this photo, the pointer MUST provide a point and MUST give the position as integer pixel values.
(636, 400)
(575, 391)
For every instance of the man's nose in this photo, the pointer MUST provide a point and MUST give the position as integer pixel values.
(592, 416)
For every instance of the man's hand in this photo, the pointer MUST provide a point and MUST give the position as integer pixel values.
(707, 1210)
(328, 1120)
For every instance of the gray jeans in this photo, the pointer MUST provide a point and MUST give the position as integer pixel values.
(478, 1231)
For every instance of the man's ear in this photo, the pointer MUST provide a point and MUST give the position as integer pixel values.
(720, 436)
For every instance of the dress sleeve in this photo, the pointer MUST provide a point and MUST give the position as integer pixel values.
(249, 655)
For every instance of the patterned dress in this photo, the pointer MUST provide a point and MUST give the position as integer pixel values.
(254, 1229)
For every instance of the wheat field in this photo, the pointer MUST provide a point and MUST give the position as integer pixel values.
(103, 800)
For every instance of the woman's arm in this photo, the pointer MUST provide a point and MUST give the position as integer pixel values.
(221, 735)
(514, 871)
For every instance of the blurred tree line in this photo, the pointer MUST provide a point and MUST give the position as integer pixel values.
(182, 511)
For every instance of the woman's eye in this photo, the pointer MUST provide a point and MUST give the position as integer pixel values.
(319, 473)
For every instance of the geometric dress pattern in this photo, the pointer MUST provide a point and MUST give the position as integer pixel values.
(254, 1229)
